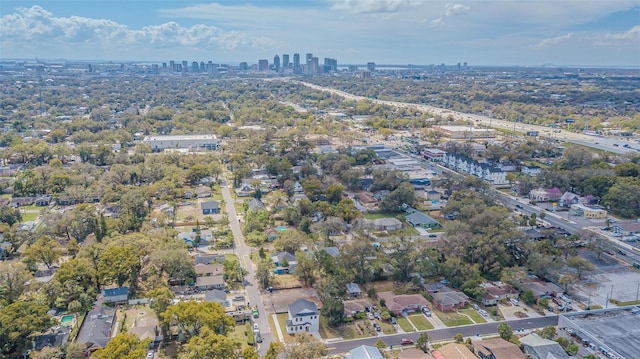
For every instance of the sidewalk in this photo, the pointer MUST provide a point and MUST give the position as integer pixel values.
(277, 325)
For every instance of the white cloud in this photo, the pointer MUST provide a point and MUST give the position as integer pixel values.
(36, 25)
(456, 9)
(632, 34)
(552, 41)
(450, 10)
(372, 6)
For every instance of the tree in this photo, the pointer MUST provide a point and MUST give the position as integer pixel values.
(505, 331)
(161, 298)
(124, 346)
(355, 259)
(423, 342)
(458, 338)
(305, 346)
(119, 264)
(193, 317)
(580, 264)
(333, 311)
(45, 250)
(10, 215)
(305, 268)
(528, 297)
(264, 275)
(334, 193)
(346, 210)
(47, 353)
(275, 348)
(19, 321)
(13, 279)
(572, 349)
(208, 344)
(250, 353)
(548, 332)
(393, 201)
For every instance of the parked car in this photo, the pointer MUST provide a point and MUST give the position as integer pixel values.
(258, 337)
(426, 311)
(377, 327)
(406, 341)
(238, 298)
(514, 302)
(370, 316)
(150, 354)
(550, 308)
(394, 321)
(475, 306)
(519, 206)
(377, 315)
(483, 312)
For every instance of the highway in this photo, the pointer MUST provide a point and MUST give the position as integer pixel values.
(609, 144)
(251, 288)
(446, 333)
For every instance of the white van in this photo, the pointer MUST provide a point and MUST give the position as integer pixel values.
(514, 302)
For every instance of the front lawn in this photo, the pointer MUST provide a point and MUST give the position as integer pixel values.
(346, 330)
(29, 216)
(475, 316)
(420, 321)
(377, 215)
(387, 328)
(282, 322)
(405, 325)
(452, 319)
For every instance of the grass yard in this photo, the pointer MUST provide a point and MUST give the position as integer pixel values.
(231, 257)
(406, 231)
(475, 316)
(346, 331)
(286, 281)
(387, 328)
(377, 215)
(239, 335)
(405, 325)
(29, 216)
(420, 321)
(282, 322)
(452, 319)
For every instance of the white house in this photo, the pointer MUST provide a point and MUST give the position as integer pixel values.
(304, 317)
(531, 170)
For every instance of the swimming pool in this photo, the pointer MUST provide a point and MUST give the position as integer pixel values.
(66, 319)
(281, 228)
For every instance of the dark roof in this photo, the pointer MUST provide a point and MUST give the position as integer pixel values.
(332, 251)
(303, 307)
(417, 218)
(56, 339)
(96, 328)
(215, 294)
(209, 205)
(115, 292)
(256, 204)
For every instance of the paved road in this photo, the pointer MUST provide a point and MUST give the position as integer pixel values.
(602, 143)
(447, 333)
(243, 251)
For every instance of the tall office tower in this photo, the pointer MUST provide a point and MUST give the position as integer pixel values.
(164, 67)
(371, 66)
(353, 68)
(194, 66)
(210, 67)
(243, 66)
(330, 65)
(313, 66)
(185, 66)
(285, 61)
(276, 63)
(263, 65)
(202, 67)
(296, 63)
(309, 57)
(172, 66)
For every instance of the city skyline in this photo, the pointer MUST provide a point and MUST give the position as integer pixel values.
(485, 33)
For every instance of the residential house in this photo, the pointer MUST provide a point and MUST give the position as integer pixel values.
(304, 317)
(432, 195)
(567, 199)
(95, 331)
(115, 295)
(22, 201)
(203, 192)
(531, 170)
(43, 201)
(364, 352)
(297, 187)
(146, 327)
(465, 164)
(497, 348)
(447, 299)
(541, 288)
(217, 296)
(285, 262)
(367, 199)
(208, 259)
(206, 270)
(386, 224)
(537, 347)
(355, 306)
(55, 337)
(495, 292)
(353, 290)
(420, 219)
(539, 195)
(403, 302)
(245, 190)
(212, 282)
(588, 211)
(256, 204)
(413, 353)
(332, 251)
(453, 351)
(210, 207)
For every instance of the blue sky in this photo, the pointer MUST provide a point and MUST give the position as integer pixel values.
(505, 32)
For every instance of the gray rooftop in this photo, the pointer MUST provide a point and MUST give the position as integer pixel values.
(303, 307)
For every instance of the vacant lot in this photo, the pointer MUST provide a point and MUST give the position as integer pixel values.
(452, 319)
(279, 300)
(475, 316)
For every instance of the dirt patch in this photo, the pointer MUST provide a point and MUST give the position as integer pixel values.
(520, 315)
(279, 300)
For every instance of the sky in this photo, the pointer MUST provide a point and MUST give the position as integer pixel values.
(420, 32)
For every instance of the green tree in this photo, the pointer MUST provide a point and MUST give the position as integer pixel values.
(580, 264)
(346, 210)
(333, 311)
(197, 172)
(45, 250)
(423, 342)
(380, 344)
(19, 322)
(393, 201)
(47, 353)
(572, 349)
(123, 346)
(458, 338)
(264, 274)
(193, 317)
(505, 331)
(275, 348)
(14, 277)
(208, 344)
(250, 353)
(161, 298)
(548, 332)
(334, 193)
(528, 297)
(306, 346)
(10, 215)
(119, 264)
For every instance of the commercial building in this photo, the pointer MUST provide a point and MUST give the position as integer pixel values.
(462, 132)
(160, 143)
(587, 211)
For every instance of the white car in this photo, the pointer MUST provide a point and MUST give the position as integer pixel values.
(475, 306)
(483, 312)
(150, 354)
(514, 302)
(256, 327)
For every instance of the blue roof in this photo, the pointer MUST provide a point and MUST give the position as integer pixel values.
(114, 292)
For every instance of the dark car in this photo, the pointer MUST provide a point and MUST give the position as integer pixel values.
(394, 321)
